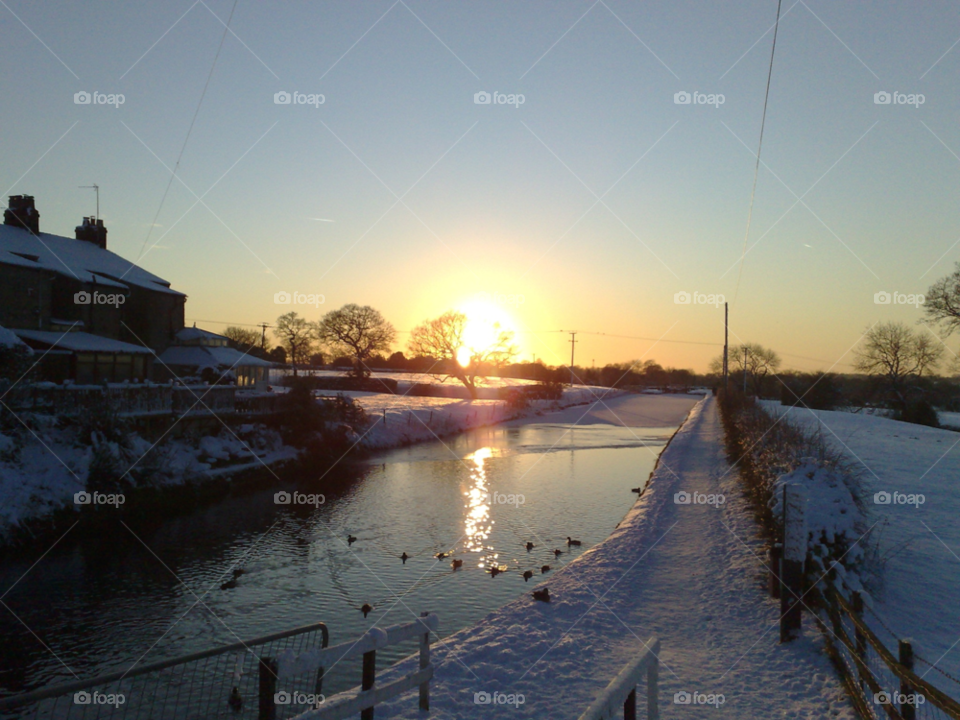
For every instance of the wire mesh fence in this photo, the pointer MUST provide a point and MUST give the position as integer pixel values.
(225, 682)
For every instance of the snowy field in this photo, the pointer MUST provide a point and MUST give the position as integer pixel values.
(920, 594)
(691, 575)
(405, 380)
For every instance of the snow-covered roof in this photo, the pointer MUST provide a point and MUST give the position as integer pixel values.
(75, 259)
(9, 339)
(202, 356)
(194, 333)
(81, 342)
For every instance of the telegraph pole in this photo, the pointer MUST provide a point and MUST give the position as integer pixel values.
(263, 336)
(726, 335)
(573, 341)
(744, 370)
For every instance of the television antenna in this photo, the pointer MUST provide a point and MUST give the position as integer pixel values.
(97, 189)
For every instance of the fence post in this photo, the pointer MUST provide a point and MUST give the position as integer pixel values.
(653, 711)
(268, 687)
(860, 639)
(775, 553)
(630, 706)
(907, 710)
(794, 556)
(424, 662)
(318, 686)
(369, 678)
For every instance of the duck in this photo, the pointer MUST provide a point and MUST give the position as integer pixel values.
(235, 701)
(557, 553)
(636, 490)
(542, 595)
(441, 555)
(238, 571)
(229, 584)
(530, 546)
(527, 575)
(404, 557)
(574, 543)
(494, 571)
(351, 539)
(456, 564)
(366, 609)
(544, 569)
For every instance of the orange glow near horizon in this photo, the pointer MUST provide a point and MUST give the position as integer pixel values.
(485, 321)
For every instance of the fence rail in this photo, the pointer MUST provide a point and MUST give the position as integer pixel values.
(622, 690)
(364, 699)
(227, 681)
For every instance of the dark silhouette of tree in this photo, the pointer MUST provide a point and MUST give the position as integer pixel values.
(296, 336)
(357, 331)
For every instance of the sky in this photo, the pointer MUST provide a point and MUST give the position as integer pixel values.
(589, 206)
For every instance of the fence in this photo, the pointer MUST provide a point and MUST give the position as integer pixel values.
(364, 699)
(622, 690)
(881, 684)
(226, 682)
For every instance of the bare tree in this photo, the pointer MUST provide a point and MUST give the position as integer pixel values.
(356, 331)
(443, 339)
(895, 353)
(296, 335)
(942, 302)
(754, 358)
(245, 338)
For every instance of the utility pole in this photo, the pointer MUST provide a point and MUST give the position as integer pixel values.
(263, 336)
(573, 341)
(744, 370)
(726, 336)
(97, 189)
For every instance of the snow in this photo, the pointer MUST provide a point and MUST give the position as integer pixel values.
(920, 542)
(691, 575)
(9, 339)
(201, 356)
(82, 342)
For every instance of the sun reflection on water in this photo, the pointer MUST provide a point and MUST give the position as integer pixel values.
(477, 523)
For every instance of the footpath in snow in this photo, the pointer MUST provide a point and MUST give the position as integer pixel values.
(910, 475)
(690, 574)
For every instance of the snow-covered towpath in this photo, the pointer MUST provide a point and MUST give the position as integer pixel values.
(687, 573)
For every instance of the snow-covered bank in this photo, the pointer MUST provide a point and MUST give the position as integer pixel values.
(919, 541)
(690, 574)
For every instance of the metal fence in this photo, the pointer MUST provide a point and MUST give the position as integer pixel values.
(226, 682)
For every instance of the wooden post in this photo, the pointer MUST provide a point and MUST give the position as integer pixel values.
(268, 687)
(369, 678)
(860, 639)
(384, 416)
(630, 706)
(908, 711)
(775, 554)
(425, 662)
(791, 567)
(318, 686)
(653, 710)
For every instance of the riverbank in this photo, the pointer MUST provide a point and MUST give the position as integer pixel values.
(688, 574)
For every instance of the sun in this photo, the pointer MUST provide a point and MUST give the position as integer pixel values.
(485, 322)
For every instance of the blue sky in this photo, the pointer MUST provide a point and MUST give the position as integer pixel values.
(503, 199)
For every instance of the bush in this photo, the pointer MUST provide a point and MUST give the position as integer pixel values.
(817, 391)
(919, 412)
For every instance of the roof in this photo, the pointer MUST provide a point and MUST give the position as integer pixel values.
(9, 339)
(81, 342)
(202, 356)
(75, 259)
(194, 333)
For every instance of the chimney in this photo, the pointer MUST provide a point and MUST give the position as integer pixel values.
(93, 231)
(21, 213)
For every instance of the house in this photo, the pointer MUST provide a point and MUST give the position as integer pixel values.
(91, 315)
(203, 354)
